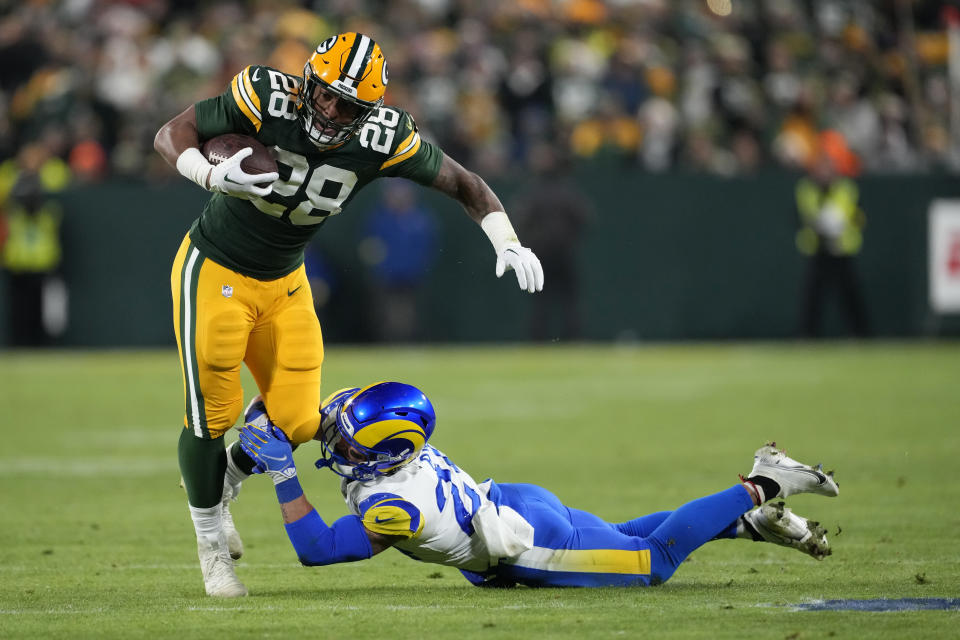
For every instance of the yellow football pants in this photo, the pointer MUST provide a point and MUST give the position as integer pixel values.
(223, 318)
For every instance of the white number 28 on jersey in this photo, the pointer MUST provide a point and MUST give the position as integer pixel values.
(327, 186)
(378, 132)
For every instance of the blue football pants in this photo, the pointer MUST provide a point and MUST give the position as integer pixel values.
(577, 548)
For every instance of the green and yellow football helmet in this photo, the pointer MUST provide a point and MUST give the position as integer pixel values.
(351, 68)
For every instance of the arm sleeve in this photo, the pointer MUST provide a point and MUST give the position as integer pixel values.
(317, 544)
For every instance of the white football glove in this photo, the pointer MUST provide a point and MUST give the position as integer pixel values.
(230, 179)
(525, 263)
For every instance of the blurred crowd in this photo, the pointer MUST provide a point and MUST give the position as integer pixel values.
(660, 84)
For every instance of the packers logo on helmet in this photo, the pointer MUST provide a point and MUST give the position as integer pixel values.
(347, 73)
(374, 430)
(327, 44)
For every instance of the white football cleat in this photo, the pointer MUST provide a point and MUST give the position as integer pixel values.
(776, 523)
(234, 543)
(219, 578)
(792, 476)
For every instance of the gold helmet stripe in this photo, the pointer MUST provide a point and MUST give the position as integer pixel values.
(246, 98)
(407, 148)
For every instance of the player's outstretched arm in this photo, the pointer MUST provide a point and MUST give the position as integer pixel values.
(483, 206)
(315, 542)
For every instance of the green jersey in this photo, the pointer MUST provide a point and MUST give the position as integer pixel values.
(264, 238)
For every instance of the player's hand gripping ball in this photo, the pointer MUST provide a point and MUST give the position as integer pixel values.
(243, 167)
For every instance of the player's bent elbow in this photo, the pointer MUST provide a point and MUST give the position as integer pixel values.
(326, 553)
(159, 140)
(176, 135)
(307, 561)
(164, 143)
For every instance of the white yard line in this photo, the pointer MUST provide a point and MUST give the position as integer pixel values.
(89, 466)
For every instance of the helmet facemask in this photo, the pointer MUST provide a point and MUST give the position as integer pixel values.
(321, 130)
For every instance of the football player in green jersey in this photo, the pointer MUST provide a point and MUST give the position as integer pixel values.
(240, 294)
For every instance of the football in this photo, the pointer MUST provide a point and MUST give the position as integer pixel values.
(218, 149)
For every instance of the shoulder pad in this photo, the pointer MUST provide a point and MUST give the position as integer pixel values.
(391, 515)
(406, 141)
(253, 85)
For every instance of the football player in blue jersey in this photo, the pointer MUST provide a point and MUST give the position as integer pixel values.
(240, 291)
(404, 493)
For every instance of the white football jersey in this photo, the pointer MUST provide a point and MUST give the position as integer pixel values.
(431, 502)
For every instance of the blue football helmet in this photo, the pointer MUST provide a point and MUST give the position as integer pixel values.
(373, 431)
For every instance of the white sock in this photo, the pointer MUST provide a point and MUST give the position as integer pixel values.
(208, 523)
(234, 476)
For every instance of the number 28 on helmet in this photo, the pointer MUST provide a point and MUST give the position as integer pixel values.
(373, 431)
(350, 71)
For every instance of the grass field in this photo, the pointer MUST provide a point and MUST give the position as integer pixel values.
(96, 540)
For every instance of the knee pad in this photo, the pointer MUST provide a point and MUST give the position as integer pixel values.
(296, 420)
(305, 431)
